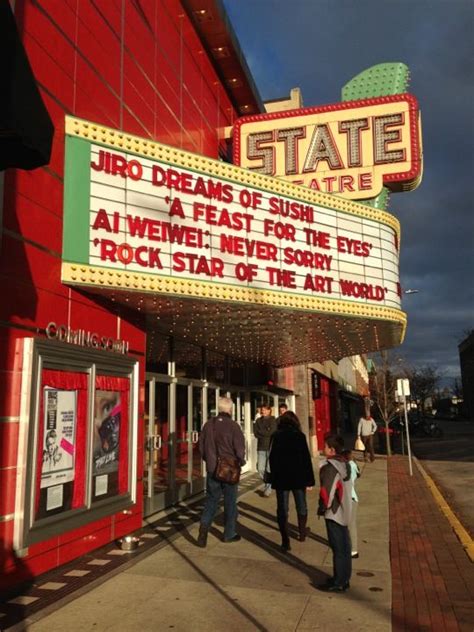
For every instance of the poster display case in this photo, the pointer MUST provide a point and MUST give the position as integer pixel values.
(78, 438)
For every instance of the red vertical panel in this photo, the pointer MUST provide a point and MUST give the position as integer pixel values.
(140, 39)
(52, 38)
(139, 94)
(8, 443)
(160, 43)
(94, 100)
(99, 46)
(8, 487)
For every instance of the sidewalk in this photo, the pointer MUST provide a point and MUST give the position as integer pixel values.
(249, 585)
(427, 583)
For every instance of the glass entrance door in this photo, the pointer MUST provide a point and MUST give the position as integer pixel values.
(199, 396)
(158, 445)
(174, 415)
(183, 404)
(241, 414)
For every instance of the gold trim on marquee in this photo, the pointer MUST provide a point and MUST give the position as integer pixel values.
(81, 274)
(99, 134)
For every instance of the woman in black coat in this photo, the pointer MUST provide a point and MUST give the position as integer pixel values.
(291, 470)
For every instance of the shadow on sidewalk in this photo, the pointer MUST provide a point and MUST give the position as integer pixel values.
(272, 518)
(316, 576)
(208, 580)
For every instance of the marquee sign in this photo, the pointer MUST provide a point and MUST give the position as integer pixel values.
(143, 217)
(352, 149)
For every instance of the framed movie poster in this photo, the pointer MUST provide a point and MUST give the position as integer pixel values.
(106, 446)
(78, 441)
(110, 432)
(60, 418)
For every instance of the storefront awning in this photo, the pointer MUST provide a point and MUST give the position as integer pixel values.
(26, 130)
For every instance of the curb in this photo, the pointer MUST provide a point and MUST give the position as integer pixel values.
(461, 533)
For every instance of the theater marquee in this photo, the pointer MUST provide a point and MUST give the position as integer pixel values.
(352, 149)
(150, 225)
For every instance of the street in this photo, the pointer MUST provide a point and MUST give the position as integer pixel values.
(450, 462)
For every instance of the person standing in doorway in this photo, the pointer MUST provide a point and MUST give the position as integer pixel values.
(291, 470)
(263, 429)
(220, 436)
(335, 504)
(365, 431)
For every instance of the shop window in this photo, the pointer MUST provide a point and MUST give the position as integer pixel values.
(78, 438)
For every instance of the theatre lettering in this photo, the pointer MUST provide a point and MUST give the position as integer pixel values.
(352, 148)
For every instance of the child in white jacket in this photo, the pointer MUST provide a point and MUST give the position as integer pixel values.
(355, 473)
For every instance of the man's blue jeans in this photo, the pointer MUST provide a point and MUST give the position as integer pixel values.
(214, 491)
(262, 462)
(340, 543)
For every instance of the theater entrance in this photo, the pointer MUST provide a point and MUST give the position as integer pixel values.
(175, 410)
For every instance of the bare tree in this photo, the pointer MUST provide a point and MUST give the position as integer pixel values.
(423, 382)
(383, 385)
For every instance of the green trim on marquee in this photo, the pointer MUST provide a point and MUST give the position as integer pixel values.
(76, 202)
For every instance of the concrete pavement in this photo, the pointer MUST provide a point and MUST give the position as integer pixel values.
(249, 585)
(427, 583)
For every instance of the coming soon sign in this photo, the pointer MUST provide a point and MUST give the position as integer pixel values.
(352, 149)
(140, 208)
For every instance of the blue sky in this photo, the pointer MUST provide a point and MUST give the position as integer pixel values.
(319, 45)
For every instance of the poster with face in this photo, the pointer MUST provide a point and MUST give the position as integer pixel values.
(107, 416)
(60, 415)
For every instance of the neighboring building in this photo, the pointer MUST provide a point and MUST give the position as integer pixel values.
(466, 360)
(330, 396)
(117, 332)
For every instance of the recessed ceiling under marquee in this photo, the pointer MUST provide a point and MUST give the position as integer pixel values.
(262, 333)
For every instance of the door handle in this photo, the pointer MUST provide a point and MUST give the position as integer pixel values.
(153, 442)
(195, 436)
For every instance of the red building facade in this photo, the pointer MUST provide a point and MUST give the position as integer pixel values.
(135, 66)
(108, 372)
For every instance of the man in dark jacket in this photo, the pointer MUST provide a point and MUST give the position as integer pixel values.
(220, 436)
(263, 429)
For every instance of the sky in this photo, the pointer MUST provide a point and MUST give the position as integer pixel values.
(318, 46)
